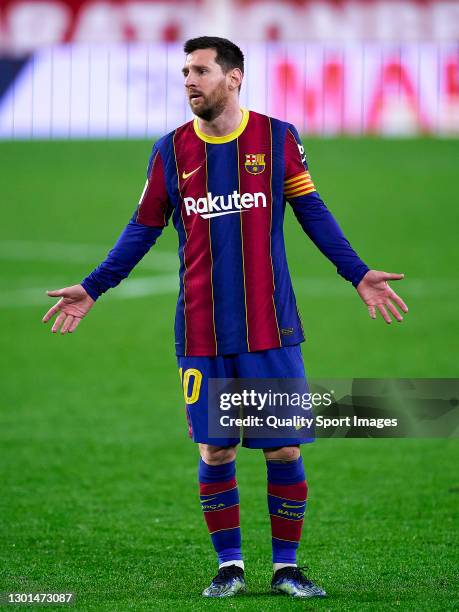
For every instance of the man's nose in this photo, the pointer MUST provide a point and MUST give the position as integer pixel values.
(190, 80)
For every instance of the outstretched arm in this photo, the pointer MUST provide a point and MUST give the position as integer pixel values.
(320, 225)
(140, 234)
(135, 241)
(322, 228)
(76, 301)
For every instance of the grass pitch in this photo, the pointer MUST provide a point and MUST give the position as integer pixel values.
(99, 492)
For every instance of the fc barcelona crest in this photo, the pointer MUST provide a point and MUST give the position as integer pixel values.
(255, 162)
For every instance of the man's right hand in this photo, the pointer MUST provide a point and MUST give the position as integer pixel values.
(74, 304)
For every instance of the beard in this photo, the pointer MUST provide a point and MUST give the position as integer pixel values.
(212, 105)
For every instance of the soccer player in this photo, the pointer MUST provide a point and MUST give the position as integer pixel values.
(225, 179)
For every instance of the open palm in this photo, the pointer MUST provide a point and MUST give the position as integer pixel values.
(376, 293)
(74, 304)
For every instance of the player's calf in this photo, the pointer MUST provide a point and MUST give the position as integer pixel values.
(220, 506)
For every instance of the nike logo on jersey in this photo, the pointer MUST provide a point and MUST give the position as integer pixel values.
(185, 175)
(204, 501)
(217, 206)
(285, 505)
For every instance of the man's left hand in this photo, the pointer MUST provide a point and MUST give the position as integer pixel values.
(376, 293)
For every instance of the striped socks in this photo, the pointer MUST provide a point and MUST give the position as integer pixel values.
(220, 504)
(287, 492)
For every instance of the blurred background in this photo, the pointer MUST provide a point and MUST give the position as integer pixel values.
(112, 69)
(90, 422)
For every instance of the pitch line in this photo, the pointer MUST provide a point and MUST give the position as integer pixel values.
(75, 253)
(128, 289)
(168, 284)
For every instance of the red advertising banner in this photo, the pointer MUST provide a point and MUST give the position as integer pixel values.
(27, 25)
(136, 90)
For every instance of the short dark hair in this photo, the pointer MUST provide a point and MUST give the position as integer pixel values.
(229, 55)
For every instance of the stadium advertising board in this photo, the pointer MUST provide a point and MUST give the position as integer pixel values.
(104, 91)
(27, 25)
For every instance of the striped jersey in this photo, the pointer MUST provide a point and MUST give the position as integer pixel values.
(227, 198)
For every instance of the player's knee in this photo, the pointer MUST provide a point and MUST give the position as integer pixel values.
(217, 455)
(283, 453)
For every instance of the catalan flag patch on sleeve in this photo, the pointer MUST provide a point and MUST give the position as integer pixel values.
(298, 185)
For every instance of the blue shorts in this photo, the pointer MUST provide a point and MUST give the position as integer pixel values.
(285, 362)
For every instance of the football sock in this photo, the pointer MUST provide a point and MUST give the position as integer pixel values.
(278, 566)
(237, 562)
(287, 492)
(220, 504)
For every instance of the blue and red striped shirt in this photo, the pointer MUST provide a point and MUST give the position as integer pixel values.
(227, 197)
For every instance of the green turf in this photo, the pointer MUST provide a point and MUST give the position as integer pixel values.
(98, 477)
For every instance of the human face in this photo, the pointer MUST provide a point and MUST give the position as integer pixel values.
(206, 86)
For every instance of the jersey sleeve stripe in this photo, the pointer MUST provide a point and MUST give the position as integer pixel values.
(300, 192)
(299, 188)
(297, 177)
(303, 183)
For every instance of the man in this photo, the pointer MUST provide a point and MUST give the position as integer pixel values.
(225, 178)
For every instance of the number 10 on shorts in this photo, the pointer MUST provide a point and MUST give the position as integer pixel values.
(191, 382)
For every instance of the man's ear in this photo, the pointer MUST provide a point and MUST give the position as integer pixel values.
(235, 78)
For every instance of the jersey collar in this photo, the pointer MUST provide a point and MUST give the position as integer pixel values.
(228, 137)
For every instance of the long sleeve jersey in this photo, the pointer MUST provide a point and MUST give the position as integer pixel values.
(227, 198)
